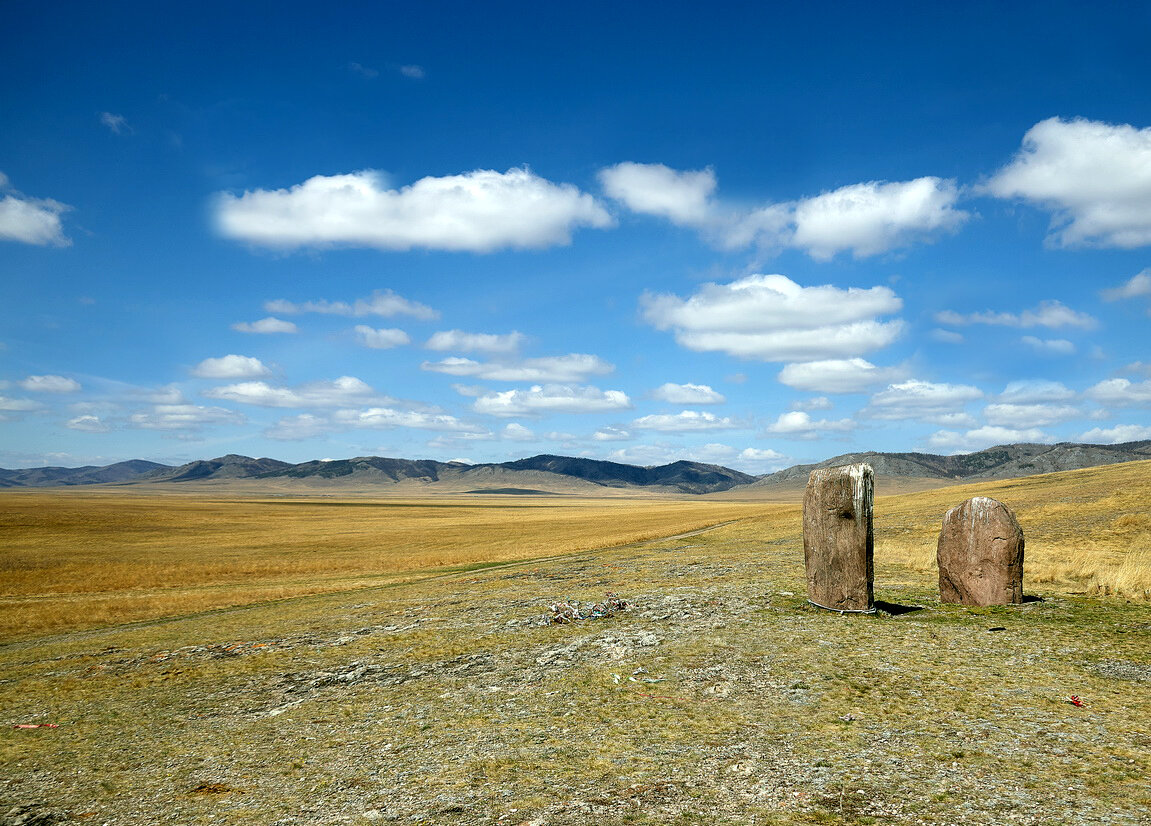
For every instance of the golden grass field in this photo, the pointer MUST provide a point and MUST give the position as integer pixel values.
(73, 558)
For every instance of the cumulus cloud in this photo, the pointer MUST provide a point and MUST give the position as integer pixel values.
(387, 418)
(346, 391)
(1050, 346)
(683, 198)
(923, 401)
(687, 394)
(380, 339)
(459, 341)
(748, 460)
(231, 367)
(413, 71)
(551, 398)
(381, 302)
(516, 432)
(1138, 286)
(1030, 415)
(685, 421)
(1052, 314)
(871, 218)
(772, 318)
(1030, 391)
(797, 424)
(573, 367)
(266, 326)
(298, 428)
(88, 424)
(611, 434)
(1121, 393)
(1095, 179)
(838, 375)
(984, 437)
(864, 219)
(1116, 435)
(477, 211)
(50, 384)
(815, 403)
(188, 417)
(947, 336)
(30, 220)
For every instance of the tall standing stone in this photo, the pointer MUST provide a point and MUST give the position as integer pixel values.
(980, 554)
(838, 540)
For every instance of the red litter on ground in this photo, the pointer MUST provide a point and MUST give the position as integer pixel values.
(36, 725)
(1075, 701)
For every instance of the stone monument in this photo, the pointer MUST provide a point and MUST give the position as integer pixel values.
(980, 554)
(838, 540)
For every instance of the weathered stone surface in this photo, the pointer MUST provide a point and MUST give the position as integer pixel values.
(838, 540)
(980, 554)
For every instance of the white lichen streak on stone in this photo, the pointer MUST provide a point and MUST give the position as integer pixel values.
(860, 493)
(981, 508)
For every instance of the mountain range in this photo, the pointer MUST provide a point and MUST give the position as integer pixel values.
(547, 473)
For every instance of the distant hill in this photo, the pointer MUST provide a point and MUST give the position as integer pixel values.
(1001, 462)
(566, 474)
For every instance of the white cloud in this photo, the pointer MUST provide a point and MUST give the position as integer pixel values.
(477, 211)
(30, 220)
(1050, 346)
(1116, 435)
(947, 336)
(1121, 393)
(231, 367)
(1048, 314)
(685, 421)
(298, 428)
(838, 375)
(611, 434)
(687, 394)
(684, 198)
(346, 391)
(380, 339)
(117, 123)
(516, 432)
(573, 367)
(188, 417)
(770, 317)
(88, 424)
(266, 326)
(414, 71)
(1138, 368)
(168, 394)
(1030, 415)
(797, 424)
(381, 302)
(864, 219)
(1094, 177)
(387, 418)
(551, 398)
(872, 218)
(1139, 285)
(364, 71)
(1036, 390)
(815, 403)
(18, 405)
(923, 401)
(50, 384)
(984, 437)
(463, 342)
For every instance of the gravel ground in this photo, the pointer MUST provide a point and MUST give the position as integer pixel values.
(719, 696)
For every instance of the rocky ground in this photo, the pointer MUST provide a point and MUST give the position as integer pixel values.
(718, 696)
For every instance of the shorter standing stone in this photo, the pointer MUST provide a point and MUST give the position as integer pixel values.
(980, 554)
(838, 540)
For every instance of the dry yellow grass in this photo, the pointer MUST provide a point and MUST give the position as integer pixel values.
(72, 559)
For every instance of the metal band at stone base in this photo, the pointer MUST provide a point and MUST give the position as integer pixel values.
(844, 610)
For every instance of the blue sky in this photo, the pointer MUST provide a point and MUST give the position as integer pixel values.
(748, 235)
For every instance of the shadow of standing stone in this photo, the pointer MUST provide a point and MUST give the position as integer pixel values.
(838, 539)
(980, 554)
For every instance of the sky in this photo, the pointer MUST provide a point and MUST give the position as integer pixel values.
(752, 235)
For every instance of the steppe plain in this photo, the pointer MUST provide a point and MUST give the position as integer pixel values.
(227, 657)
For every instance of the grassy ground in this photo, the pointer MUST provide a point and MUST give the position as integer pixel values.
(720, 697)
